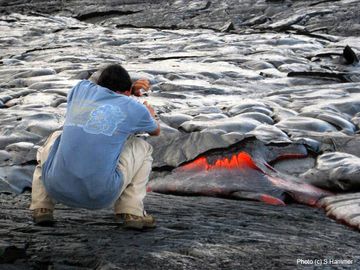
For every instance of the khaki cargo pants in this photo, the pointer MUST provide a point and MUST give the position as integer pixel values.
(134, 163)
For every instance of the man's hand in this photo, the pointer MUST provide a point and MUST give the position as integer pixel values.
(154, 115)
(151, 109)
(138, 85)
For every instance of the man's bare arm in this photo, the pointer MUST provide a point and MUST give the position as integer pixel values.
(156, 132)
(154, 115)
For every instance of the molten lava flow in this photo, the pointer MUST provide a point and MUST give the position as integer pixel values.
(237, 161)
(271, 200)
(301, 192)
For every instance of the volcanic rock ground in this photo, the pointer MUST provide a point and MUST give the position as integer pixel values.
(192, 233)
(222, 73)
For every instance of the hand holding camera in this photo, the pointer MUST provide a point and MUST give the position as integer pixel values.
(140, 87)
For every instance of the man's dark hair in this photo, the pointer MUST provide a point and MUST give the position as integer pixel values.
(115, 78)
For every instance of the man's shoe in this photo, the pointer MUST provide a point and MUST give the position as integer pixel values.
(43, 217)
(137, 222)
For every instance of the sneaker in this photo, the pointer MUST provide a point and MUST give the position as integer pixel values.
(137, 222)
(43, 217)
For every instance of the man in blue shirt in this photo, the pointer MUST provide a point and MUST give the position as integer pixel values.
(96, 161)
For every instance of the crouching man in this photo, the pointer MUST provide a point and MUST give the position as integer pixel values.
(96, 161)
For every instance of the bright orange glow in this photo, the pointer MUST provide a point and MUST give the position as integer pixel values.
(237, 161)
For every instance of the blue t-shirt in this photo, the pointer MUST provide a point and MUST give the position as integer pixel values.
(81, 170)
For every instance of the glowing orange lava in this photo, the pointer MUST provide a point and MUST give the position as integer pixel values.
(237, 161)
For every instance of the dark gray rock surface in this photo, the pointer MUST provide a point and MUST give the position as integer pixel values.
(278, 66)
(192, 233)
(316, 18)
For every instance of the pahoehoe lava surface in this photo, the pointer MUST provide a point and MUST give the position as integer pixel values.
(279, 80)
